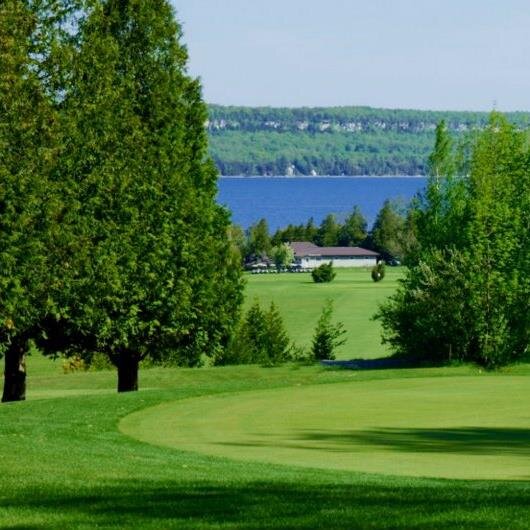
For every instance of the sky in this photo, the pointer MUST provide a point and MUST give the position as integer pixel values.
(420, 54)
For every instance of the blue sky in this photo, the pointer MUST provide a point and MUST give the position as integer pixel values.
(425, 54)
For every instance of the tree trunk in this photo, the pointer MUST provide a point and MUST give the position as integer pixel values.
(127, 364)
(15, 373)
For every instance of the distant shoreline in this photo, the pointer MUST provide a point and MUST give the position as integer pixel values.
(298, 177)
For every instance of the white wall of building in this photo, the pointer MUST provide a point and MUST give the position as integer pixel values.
(342, 261)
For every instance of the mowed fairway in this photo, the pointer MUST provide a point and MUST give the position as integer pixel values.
(66, 463)
(467, 427)
(355, 298)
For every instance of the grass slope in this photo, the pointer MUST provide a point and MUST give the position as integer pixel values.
(355, 298)
(65, 464)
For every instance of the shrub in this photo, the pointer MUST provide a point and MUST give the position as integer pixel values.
(260, 338)
(74, 364)
(324, 273)
(378, 272)
(100, 361)
(328, 336)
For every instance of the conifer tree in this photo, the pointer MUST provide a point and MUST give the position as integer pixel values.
(259, 242)
(28, 147)
(353, 231)
(388, 232)
(328, 232)
(152, 271)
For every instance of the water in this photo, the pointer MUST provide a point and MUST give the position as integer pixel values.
(284, 200)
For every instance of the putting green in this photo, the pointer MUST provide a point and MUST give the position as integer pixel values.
(452, 427)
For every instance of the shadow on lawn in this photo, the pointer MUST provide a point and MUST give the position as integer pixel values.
(465, 440)
(382, 363)
(279, 505)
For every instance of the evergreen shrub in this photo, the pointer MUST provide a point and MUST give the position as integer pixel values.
(260, 338)
(324, 273)
(328, 336)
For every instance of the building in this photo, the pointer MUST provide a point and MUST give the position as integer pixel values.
(308, 256)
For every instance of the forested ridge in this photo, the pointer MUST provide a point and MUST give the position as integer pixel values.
(333, 140)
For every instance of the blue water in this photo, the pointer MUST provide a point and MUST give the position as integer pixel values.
(294, 200)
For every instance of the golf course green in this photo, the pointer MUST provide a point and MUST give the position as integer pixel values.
(465, 427)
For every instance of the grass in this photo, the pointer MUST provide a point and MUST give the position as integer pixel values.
(65, 463)
(355, 296)
(426, 426)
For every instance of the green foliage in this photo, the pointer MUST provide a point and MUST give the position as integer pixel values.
(261, 338)
(389, 232)
(111, 238)
(236, 236)
(302, 232)
(350, 233)
(324, 273)
(441, 159)
(282, 255)
(333, 141)
(466, 295)
(378, 272)
(327, 336)
(29, 205)
(258, 239)
(328, 232)
(353, 232)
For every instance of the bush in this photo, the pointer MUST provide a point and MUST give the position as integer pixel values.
(74, 364)
(378, 272)
(328, 336)
(260, 338)
(324, 273)
(100, 361)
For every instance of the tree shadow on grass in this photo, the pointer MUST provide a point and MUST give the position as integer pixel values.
(143, 503)
(462, 440)
(382, 363)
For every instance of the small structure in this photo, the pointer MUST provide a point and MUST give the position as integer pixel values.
(308, 255)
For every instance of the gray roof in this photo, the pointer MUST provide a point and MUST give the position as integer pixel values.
(307, 249)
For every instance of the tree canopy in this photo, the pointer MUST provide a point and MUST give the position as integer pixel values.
(466, 295)
(144, 265)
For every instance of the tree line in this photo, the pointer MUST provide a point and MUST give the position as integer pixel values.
(391, 234)
(333, 141)
(110, 237)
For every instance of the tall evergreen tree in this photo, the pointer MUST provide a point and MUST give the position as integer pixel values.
(152, 273)
(388, 232)
(28, 147)
(328, 232)
(259, 242)
(353, 231)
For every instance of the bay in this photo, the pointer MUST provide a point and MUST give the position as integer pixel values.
(285, 200)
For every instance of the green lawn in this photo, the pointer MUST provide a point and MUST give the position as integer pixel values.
(426, 426)
(355, 297)
(65, 463)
